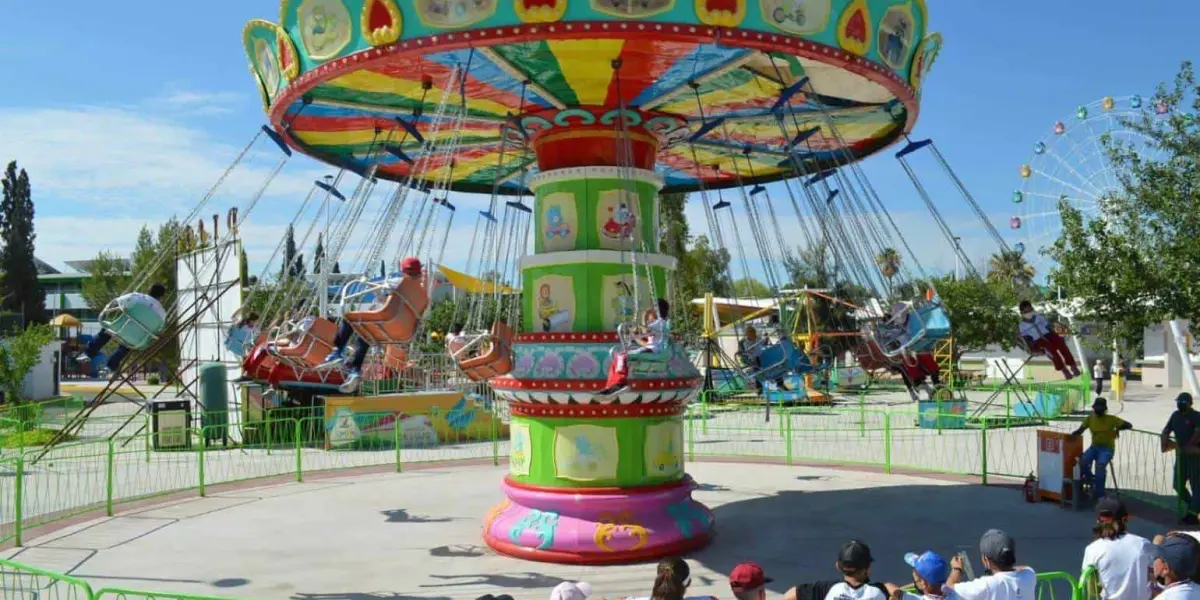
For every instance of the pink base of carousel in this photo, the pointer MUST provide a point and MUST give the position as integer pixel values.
(598, 526)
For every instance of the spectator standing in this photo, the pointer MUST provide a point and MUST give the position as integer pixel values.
(1174, 567)
(1183, 427)
(854, 561)
(1122, 560)
(930, 572)
(1006, 580)
(1098, 375)
(1105, 428)
(748, 582)
(671, 582)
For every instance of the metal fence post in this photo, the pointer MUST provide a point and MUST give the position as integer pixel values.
(887, 443)
(300, 454)
(203, 447)
(495, 440)
(691, 435)
(19, 494)
(983, 459)
(398, 442)
(787, 417)
(108, 479)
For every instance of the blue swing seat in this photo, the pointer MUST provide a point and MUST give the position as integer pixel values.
(931, 327)
(782, 358)
(240, 340)
(135, 327)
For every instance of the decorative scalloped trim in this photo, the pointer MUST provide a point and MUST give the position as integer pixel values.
(540, 14)
(573, 173)
(262, 88)
(291, 71)
(596, 411)
(568, 338)
(610, 257)
(381, 36)
(252, 26)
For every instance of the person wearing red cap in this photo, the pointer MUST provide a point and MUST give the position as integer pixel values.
(749, 582)
(409, 267)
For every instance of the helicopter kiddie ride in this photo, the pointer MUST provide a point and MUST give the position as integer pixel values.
(594, 107)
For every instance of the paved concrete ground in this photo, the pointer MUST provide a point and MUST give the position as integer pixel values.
(417, 535)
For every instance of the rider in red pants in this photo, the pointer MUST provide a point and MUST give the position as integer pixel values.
(1041, 338)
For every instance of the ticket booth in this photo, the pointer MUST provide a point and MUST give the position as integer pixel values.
(1058, 453)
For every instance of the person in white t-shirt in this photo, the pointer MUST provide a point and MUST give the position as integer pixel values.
(571, 591)
(153, 300)
(1174, 567)
(1123, 561)
(854, 561)
(1006, 581)
(930, 572)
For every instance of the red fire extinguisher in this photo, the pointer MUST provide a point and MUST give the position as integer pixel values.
(1030, 489)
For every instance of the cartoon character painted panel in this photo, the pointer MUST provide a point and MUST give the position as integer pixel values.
(632, 9)
(554, 303)
(267, 65)
(854, 28)
(896, 31)
(618, 214)
(325, 27)
(519, 456)
(798, 17)
(923, 61)
(450, 14)
(560, 222)
(619, 301)
(664, 449)
(586, 453)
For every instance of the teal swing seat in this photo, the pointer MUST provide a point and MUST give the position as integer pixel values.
(135, 327)
(782, 358)
(931, 326)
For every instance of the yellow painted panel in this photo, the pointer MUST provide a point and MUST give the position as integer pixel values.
(370, 81)
(587, 66)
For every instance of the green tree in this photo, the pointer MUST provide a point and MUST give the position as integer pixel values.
(749, 287)
(700, 268)
(337, 267)
(983, 313)
(108, 278)
(20, 290)
(1009, 267)
(243, 267)
(291, 259)
(888, 262)
(318, 255)
(19, 354)
(1136, 264)
(154, 261)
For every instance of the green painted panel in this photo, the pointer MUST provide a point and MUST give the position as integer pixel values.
(538, 63)
(600, 296)
(329, 91)
(558, 209)
(615, 452)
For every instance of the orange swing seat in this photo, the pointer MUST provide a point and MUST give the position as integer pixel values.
(310, 349)
(394, 320)
(496, 361)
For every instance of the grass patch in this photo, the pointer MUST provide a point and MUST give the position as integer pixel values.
(33, 437)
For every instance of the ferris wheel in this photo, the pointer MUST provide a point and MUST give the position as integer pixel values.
(1071, 163)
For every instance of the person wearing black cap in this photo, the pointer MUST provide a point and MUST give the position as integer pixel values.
(1105, 428)
(1005, 580)
(854, 562)
(1174, 566)
(1122, 559)
(1184, 425)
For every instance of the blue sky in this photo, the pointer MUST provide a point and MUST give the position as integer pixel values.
(125, 112)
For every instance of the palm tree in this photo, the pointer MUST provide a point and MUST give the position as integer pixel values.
(888, 262)
(1009, 266)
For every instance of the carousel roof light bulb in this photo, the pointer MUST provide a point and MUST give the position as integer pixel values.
(1135, 101)
(1026, 171)
(1108, 103)
(1161, 107)
(1019, 247)
(1081, 112)
(1018, 197)
(1039, 148)
(1015, 222)
(1059, 128)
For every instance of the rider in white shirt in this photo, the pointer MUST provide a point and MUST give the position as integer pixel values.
(1174, 567)
(1006, 581)
(1122, 560)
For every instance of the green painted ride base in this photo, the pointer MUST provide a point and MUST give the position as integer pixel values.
(607, 452)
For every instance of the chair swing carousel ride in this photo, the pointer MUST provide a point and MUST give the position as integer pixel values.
(593, 107)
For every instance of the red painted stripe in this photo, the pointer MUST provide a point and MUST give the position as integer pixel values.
(643, 61)
(359, 123)
(687, 481)
(607, 558)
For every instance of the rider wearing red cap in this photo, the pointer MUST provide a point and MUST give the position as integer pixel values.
(409, 267)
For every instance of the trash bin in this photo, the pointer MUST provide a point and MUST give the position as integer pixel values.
(214, 401)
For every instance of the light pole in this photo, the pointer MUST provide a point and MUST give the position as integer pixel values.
(957, 257)
(322, 278)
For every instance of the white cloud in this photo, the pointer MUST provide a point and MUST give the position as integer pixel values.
(181, 100)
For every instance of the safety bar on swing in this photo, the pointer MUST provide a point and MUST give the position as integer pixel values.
(332, 191)
(785, 97)
(819, 177)
(518, 205)
(476, 340)
(411, 128)
(395, 150)
(705, 128)
(383, 288)
(803, 137)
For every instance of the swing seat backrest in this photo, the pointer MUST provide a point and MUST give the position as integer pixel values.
(870, 356)
(395, 358)
(497, 360)
(782, 358)
(312, 346)
(258, 362)
(135, 326)
(395, 321)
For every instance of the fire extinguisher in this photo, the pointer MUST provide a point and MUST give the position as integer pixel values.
(1030, 489)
